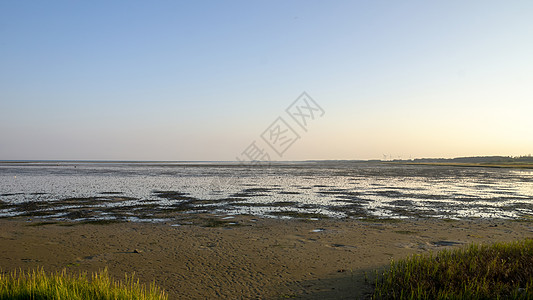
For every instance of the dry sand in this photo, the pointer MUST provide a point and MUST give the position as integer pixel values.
(260, 259)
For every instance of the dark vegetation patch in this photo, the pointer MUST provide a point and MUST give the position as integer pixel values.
(351, 196)
(448, 220)
(412, 213)
(173, 195)
(390, 194)
(4, 204)
(248, 204)
(91, 200)
(190, 205)
(242, 195)
(356, 200)
(181, 206)
(39, 213)
(129, 209)
(207, 202)
(509, 198)
(350, 210)
(99, 222)
(10, 194)
(342, 194)
(397, 194)
(80, 222)
(380, 220)
(329, 193)
(526, 218)
(299, 214)
(309, 206)
(257, 190)
(271, 204)
(119, 199)
(516, 206)
(288, 193)
(252, 192)
(29, 206)
(446, 243)
(401, 203)
(37, 224)
(404, 188)
(80, 214)
(214, 222)
(233, 199)
(78, 200)
(281, 204)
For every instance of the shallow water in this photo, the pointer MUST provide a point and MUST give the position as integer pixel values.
(169, 191)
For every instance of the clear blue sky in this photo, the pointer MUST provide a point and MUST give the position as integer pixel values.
(198, 80)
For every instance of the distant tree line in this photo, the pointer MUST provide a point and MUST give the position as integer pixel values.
(477, 159)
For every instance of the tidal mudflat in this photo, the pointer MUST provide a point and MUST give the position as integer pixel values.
(167, 192)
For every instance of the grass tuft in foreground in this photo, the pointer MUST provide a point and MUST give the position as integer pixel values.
(501, 270)
(37, 285)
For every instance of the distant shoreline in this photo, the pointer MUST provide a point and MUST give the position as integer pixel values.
(471, 161)
(525, 162)
(479, 165)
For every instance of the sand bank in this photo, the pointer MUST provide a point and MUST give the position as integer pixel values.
(259, 258)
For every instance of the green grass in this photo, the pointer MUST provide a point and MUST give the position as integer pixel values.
(36, 284)
(497, 271)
